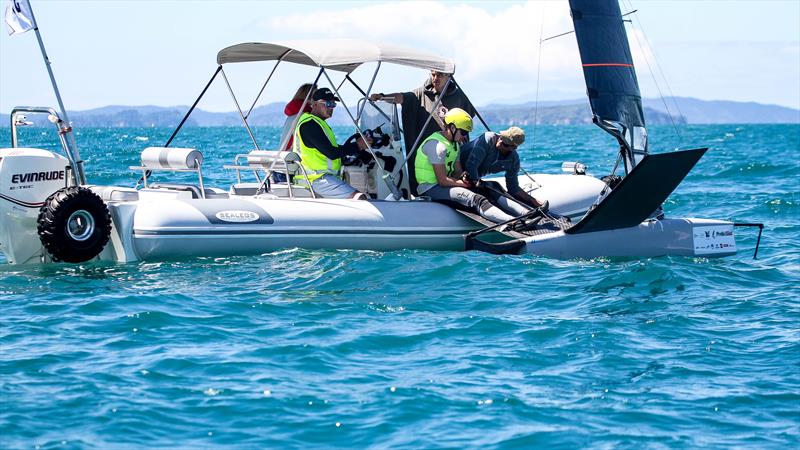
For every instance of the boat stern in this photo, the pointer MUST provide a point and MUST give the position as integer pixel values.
(706, 238)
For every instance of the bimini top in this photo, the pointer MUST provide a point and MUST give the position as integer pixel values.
(337, 54)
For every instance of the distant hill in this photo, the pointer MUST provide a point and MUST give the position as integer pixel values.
(567, 113)
(564, 112)
(170, 116)
(128, 116)
(721, 111)
(682, 109)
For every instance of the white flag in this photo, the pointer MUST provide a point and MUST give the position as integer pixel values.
(19, 16)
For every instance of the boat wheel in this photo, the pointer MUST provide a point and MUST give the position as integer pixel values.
(74, 224)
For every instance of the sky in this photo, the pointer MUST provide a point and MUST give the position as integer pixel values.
(149, 52)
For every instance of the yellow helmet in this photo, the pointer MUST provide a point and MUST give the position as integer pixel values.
(459, 118)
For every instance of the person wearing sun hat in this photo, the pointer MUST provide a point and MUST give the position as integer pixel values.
(492, 153)
(320, 154)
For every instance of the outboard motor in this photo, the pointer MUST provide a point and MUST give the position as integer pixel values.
(27, 177)
(42, 214)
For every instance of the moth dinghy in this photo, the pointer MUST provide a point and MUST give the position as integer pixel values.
(49, 212)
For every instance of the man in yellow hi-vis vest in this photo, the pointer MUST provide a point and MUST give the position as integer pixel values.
(438, 169)
(320, 155)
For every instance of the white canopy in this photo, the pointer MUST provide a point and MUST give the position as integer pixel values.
(338, 54)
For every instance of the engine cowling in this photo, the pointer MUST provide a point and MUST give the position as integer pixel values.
(28, 176)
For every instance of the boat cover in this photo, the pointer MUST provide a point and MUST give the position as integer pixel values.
(338, 54)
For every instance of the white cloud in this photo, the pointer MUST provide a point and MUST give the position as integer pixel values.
(497, 49)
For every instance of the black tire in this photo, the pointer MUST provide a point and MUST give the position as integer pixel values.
(74, 224)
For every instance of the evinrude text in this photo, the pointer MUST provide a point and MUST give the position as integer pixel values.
(37, 176)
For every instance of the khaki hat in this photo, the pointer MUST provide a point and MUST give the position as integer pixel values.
(513, 136)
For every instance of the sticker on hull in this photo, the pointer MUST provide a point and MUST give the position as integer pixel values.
(237, 216)
(713, 239)
(231, 212)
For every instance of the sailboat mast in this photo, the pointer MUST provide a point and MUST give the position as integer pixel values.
(608, 70)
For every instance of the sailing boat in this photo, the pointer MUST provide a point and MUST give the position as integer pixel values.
(627, 219)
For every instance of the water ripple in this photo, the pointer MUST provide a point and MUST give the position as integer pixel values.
(417, 349)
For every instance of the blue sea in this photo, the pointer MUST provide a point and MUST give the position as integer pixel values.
(414, 349)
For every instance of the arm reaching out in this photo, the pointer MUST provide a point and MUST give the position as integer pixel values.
(396, 98)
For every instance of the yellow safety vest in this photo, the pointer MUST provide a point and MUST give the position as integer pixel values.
(423, 169)
(313, 161)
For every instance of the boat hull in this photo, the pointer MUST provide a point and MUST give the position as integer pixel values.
(163, 225)
(189, 227)
(678, 237)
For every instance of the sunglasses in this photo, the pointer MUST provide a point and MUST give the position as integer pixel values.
(508, 146)
(328, 103)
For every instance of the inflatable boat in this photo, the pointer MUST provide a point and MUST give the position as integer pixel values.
(50, 212)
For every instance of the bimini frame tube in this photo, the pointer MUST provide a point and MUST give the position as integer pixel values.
(180, 125)
(387, 178)
(366, 97)
(264, 86)
(369, 89)
(285, 139)
(366, 100)
(239, 108)
(413, 148)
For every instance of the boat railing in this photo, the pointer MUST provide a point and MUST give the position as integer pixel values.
(258, 161)
(172, 160)
(18, 119)
(268, 162)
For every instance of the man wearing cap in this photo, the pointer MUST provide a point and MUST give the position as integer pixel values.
(320, 155)
(418, 107)
(495, 153)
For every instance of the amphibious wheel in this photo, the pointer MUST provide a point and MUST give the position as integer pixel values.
(74, 224)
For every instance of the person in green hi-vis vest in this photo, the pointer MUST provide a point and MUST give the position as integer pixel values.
(430, 100)
(438, 168)
(319, 152)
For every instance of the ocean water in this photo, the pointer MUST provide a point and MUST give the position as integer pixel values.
(415, 349)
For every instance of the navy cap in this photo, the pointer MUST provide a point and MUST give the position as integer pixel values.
(324, 94)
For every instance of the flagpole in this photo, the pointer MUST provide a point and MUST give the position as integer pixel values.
(64, 128)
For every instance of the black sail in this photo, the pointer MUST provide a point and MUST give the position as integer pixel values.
(607, 63)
